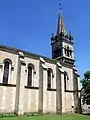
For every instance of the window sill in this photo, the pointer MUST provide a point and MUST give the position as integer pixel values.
(8, 85)
(31, 87)
(72, 91)
(51, 89)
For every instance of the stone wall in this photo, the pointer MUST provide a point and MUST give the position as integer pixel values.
(30, 100)
(7, 99)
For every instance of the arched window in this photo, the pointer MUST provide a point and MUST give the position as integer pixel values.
(65, 78)
(30, 75)
(49, 78)
(6, 71)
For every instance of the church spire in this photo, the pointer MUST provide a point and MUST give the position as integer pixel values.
(62, 44)
(60, 25)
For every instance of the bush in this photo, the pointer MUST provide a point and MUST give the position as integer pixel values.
(7, 115)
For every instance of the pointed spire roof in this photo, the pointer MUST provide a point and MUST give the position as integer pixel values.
(60, 25)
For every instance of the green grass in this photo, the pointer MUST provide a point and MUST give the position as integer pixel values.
(50, 117)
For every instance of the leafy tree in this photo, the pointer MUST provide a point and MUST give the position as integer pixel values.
(86, 88)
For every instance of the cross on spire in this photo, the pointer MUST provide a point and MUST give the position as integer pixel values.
(60, 5)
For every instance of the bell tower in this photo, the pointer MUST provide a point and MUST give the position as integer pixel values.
(62, 43)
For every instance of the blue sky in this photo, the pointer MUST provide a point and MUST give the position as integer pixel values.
(28, 25)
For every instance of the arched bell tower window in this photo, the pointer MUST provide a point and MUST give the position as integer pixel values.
(6, 71)
(49, 78)
(30, 75)
(65, 51)
(68, 52)
(71, 53)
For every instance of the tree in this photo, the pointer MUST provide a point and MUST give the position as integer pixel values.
(86, 88)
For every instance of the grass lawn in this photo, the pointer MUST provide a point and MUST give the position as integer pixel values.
(50, 117)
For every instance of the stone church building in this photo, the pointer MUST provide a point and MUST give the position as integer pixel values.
(34, 83)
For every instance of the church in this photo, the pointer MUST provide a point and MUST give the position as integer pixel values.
(30, 83)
